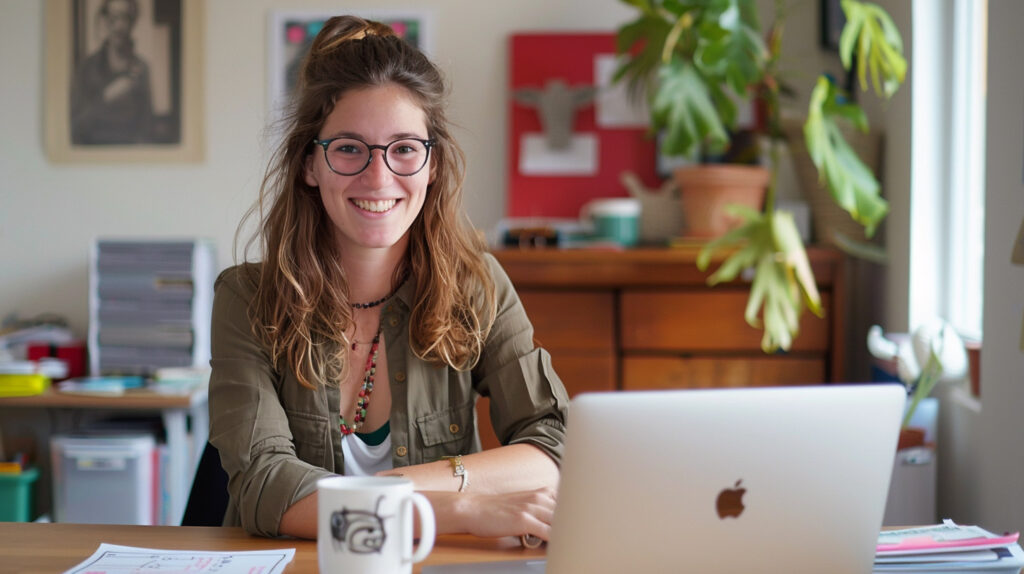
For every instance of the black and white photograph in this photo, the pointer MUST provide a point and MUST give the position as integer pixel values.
(126, 80)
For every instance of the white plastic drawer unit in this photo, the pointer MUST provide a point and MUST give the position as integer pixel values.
(103, 479)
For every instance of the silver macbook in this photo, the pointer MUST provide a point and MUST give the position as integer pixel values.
(787, 479)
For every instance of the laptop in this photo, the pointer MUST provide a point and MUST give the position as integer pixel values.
(789, 479)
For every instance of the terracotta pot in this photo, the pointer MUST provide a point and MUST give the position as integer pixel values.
(974, 366)
(706, 190)
(910, 437)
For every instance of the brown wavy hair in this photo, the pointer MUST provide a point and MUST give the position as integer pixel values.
(301, 307)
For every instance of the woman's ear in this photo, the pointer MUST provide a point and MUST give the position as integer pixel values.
(308, 174)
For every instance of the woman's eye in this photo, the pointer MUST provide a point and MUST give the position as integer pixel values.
(346, 149)
(405, 149)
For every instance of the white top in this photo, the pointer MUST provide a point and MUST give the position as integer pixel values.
(362, 459)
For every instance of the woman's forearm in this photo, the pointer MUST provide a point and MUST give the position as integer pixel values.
(300, 519)
(512, 468)
(508, 469)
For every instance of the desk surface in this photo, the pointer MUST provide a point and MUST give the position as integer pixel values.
(131, 399)
(29, 548)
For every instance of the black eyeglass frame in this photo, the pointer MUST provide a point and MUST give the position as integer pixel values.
(427, 143)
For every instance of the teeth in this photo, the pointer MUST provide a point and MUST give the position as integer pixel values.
(375, 206)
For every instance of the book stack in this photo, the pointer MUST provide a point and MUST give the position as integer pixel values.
(149, 305)
(948, 547)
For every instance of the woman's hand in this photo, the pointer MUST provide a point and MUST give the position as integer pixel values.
(494, 515)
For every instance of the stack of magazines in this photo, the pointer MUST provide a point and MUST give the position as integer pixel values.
(948, 547)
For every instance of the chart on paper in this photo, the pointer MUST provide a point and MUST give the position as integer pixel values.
(111, 559)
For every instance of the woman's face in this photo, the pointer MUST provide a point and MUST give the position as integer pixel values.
(373, 209)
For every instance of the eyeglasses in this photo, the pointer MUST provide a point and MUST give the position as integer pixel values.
(351, 156)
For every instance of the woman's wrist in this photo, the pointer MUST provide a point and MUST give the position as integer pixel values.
(451, 511)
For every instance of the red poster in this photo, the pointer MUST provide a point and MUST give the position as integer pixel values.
(536, 61)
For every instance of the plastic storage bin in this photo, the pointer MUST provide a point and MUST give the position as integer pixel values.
(16, 495)
(103, 479)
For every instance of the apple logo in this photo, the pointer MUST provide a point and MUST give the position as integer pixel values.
(730, 501)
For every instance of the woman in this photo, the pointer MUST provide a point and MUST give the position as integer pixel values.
(361, 341)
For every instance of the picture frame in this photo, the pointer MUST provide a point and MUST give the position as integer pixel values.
(290, 33)
(124, 81)
(832, 21)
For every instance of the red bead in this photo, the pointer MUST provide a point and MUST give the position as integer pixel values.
(362, 393)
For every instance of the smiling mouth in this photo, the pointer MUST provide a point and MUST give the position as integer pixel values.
(379, 206)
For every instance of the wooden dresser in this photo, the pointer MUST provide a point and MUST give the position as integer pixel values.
(646, 319)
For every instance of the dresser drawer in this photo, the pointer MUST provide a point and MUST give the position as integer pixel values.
(712, 320)
(639, 373)
(571, 320)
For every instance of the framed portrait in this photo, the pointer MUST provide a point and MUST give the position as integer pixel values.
(124, 81)
(291, 34)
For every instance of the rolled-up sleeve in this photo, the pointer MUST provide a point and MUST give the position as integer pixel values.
(248, 424)
(528, 402)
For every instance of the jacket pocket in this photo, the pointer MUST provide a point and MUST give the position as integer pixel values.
(447, 432)
(309, 434)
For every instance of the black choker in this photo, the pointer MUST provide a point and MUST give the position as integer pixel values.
(372, 303)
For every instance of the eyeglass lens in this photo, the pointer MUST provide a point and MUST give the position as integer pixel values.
(351, 156)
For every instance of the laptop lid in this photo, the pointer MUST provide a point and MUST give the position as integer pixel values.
(726, 480)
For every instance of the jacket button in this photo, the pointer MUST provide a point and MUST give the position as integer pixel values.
(400, 376)
(454, 428)
(393, 321)
(401, 451)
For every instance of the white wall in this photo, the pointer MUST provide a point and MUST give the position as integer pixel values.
(49, 213)
(1002, 362)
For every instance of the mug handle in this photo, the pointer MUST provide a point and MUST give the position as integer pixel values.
(427, 527)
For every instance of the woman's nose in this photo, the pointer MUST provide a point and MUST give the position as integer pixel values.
(377, 173)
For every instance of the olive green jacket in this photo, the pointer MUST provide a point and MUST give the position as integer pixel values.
(277, 437)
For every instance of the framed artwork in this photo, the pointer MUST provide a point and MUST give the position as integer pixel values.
(607, 134)
(124, 80)
(832, 21)
(291, 34)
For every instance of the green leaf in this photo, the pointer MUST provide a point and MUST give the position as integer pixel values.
(643, 5)
(642, 39)
(794, 258)
(871, 32)
(851, 32)
(730, 49)
(849, 181)
(684, 107)
(783, 281)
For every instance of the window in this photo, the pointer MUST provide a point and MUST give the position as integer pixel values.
(948, 163)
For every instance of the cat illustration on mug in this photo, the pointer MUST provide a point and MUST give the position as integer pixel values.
(361, 531)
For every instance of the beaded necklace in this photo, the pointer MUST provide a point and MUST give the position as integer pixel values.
(372, 304)
(364, 393)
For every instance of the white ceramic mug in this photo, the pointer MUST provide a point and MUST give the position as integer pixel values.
(365, 524)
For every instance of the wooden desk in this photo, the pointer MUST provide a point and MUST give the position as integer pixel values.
(29, 548)
(174, 411)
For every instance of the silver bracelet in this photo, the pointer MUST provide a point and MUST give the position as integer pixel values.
(459, 471)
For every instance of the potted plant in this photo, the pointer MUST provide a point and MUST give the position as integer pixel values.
(693, 59)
